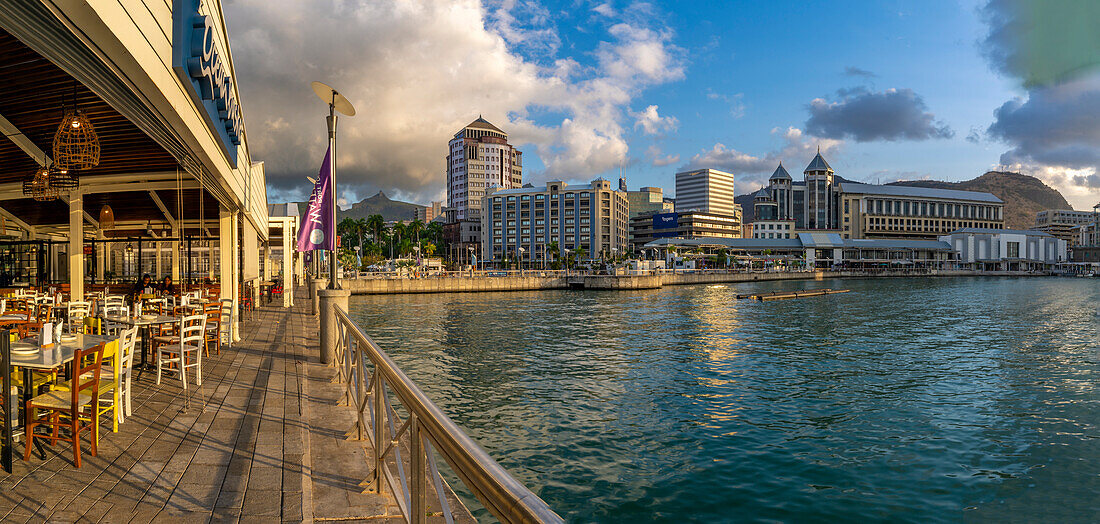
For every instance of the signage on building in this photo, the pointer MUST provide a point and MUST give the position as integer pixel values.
(201, 61)
(665, 224)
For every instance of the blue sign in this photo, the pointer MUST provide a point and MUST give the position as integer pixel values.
(669, 221)
(202, 64)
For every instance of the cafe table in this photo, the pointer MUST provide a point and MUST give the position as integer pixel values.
(143, 323)
(29, 355)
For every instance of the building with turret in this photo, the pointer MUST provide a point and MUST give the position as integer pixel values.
(824, 202)
(479, 157)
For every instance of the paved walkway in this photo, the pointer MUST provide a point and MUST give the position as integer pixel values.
(260, 441)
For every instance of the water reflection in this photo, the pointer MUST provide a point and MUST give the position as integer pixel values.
(908, 399)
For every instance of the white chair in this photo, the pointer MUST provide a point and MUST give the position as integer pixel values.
(226, 321)
(113, 300)
(126, 345)
(76, 314)
(192, 329)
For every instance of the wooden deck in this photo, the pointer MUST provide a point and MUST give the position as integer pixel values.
(260, 441)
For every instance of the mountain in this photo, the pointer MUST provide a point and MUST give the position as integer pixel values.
(380, 204)
(1023, 195)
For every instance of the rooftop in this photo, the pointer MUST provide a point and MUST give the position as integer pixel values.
(918, 192)
(991, 231)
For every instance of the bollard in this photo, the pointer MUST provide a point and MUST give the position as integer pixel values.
(316, 285)
(331, 298)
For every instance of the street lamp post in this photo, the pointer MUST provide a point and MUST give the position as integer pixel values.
(520, 250)
(336, 102)
(470, 259)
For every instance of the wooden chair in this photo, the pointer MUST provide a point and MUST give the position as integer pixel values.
(71, 404)
(190, 344)
(114, 383)
(77, 312)
(213, 336)
(224, 324)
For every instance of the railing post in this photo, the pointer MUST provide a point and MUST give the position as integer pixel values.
(417, 484)
(379, 428)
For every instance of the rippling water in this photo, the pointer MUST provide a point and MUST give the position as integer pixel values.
(907, 399)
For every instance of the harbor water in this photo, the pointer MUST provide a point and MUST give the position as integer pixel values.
(917, 399)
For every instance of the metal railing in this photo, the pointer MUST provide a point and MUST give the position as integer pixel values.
(371, 378)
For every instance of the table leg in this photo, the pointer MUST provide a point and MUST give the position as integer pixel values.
(28, 394)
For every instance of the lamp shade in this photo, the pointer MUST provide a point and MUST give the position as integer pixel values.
(106, 217)
(75, 144)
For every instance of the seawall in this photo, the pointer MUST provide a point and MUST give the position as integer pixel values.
(467, 284)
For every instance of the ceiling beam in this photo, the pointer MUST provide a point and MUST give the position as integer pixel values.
(24, 143)
(163, 208)
(7, 215)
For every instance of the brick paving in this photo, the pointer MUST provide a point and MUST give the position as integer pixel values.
(261, 441)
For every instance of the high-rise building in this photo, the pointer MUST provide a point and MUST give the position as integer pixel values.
(430, 212)
(706, 190)
(479, 157)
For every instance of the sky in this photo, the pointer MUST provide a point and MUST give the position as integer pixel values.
(888, 90)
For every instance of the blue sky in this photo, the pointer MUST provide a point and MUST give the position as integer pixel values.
(751, 67)
(888, 89)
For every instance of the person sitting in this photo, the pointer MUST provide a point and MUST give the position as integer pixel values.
(167, 287)
(142, 287)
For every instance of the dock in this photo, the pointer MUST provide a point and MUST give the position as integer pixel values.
(784, 295)
(261, 441)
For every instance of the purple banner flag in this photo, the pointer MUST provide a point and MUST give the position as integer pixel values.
(318, 231)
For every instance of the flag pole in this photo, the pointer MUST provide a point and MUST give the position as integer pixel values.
(332, 182)
(336, 102)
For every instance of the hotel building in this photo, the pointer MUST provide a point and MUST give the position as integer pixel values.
(704, 208)
(854, 210)
(479, 157)
(521, 223)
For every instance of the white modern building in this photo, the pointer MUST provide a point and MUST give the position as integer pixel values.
(1006, 249)
(706, 190)
(479, 157)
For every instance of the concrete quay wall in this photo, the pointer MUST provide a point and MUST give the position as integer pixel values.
(466, 284)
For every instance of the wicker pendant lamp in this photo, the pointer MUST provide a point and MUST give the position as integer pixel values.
(38, 187)
(106, 217)
(75, 145)
(63, 180)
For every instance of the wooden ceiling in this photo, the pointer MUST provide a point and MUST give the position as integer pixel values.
(33, 96)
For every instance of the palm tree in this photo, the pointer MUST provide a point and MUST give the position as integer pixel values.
(428, 249)
(579, 253)
(375, 224)
(400, 231)
(360, 228)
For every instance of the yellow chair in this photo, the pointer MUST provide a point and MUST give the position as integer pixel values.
(118, 357)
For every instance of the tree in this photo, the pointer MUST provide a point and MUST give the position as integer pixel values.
(360, 228)
(428, 249)
(375, 224)
(579, 254)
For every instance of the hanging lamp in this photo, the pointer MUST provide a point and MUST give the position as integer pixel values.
(75, 144)
(62, 180)
(106, 217)
(38, 187)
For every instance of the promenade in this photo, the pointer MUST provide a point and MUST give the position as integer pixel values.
(261, 441)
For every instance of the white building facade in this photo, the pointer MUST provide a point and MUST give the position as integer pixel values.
(706, 190)
(1006, 249)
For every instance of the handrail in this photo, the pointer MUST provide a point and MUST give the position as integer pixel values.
(425, 428)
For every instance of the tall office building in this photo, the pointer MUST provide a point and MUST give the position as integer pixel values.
(706, 190)
(479, 157)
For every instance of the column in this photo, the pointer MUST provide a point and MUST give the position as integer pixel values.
(76, 245)
(100, 257)
(288, 268)
(176, 254)
(227, 254)
(159, 265)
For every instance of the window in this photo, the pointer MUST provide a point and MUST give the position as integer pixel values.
(1013, 250)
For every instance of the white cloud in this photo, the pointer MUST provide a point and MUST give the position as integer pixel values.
(751, 171)
(654, 154)
(417, 71)
(736, 102)
(653, 123)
